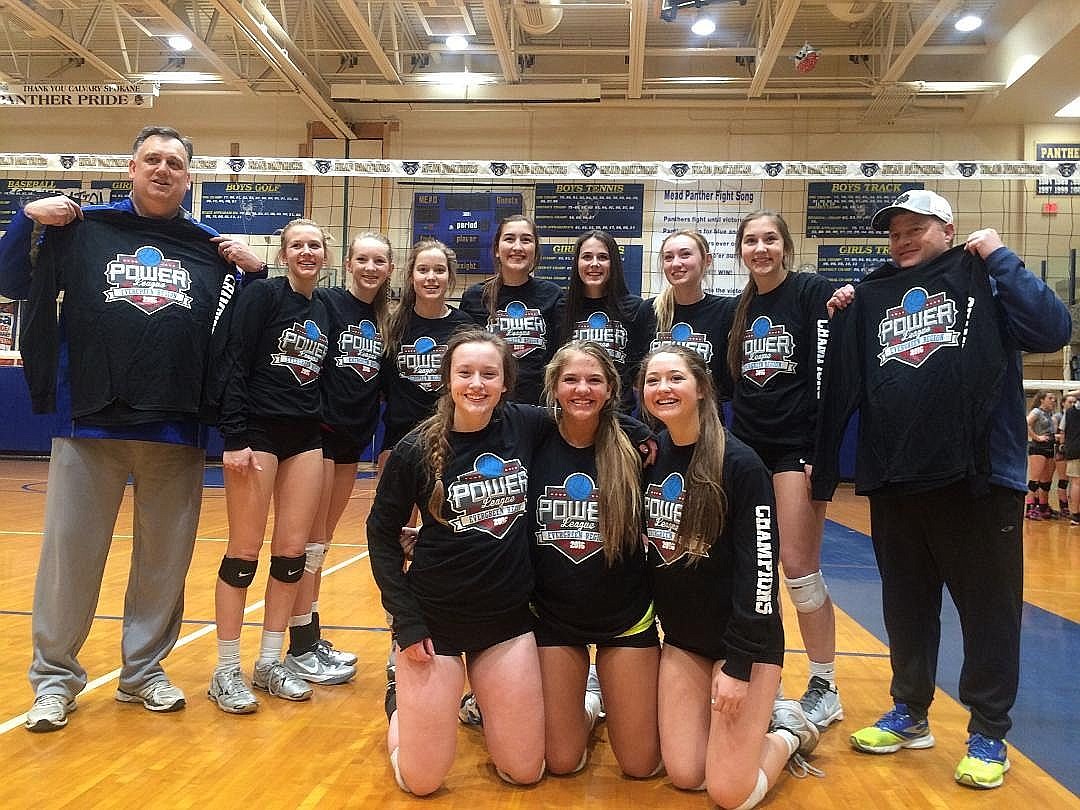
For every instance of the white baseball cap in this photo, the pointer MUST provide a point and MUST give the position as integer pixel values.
(917, 201)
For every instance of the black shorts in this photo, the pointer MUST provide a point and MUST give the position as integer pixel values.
(455, 638)
(782, 459)
(718, 651)
(550, 635)
(283, 438)
(339, 445)
(1045, 449)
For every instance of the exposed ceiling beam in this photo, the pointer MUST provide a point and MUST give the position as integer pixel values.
(280, 51)
(369, 40)
(30, 16)
(918, 39)
(182, 26)
(501, 38)
(639, 17)
(766, 60)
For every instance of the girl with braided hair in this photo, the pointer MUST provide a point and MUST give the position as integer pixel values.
(463, 604)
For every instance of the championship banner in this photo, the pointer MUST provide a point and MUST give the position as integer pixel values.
(516, 171)
(139, 95)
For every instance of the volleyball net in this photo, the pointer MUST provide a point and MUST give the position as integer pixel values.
(827, 204)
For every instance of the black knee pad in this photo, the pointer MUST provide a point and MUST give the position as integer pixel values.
(287, 569)
(1063, 484)
(1044, 486)
(236, 572)
(1033, 485)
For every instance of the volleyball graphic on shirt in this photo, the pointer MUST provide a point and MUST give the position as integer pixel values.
(490, 496)
(522, 327)
(420, 362)
(147, 280)
(684, 335)
(913, 331)
(360, 348)
(609, 334)
(569, 518)
(302, 348)
(663, 512)
(768, 349)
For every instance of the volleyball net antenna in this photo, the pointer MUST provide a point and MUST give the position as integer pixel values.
(827, 205)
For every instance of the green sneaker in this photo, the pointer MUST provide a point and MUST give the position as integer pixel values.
(895, 730)
(986, 762)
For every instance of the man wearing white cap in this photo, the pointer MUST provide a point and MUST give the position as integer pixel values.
(929, 352)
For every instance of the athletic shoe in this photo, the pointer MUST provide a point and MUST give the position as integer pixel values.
(1046, 512)
(1031, 512)
(228, 690)
(895, 730)
(279, 681)
(315, 668)
(1074, 520)
(986, 762)
(339, 657)
(159, 696)
(49, 713)
(789, 716)
(1063, 510)
(469, 713)
(821, 703)
(593, 695)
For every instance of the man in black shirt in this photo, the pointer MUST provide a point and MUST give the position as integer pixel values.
(143, 286)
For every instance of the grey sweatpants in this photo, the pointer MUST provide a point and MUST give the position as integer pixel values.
(87, 478)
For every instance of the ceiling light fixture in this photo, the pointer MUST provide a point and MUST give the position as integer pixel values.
(456, 42)
(703, 26)
(968, 23)
(179, 43)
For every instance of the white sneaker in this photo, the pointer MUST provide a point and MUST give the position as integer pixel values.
(314, 667)
(339, 657)
(49, 713)
(594, 700)
(276, 679)
(821, 703)
(159, 696)
(232, 695)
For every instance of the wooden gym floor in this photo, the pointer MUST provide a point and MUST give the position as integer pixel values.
(330, 752)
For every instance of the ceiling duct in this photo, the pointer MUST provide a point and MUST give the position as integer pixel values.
(538, 18)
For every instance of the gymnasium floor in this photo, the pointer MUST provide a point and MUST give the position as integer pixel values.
(330, 752)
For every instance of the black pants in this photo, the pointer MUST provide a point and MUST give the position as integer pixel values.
(974, 546)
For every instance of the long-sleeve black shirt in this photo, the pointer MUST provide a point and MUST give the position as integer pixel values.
(477, 567)
(278, 342)
(528, 317)
(724, 605)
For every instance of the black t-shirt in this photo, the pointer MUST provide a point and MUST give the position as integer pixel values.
(702, 327)
(623, 329)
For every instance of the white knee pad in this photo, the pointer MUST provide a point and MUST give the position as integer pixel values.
(758, 793)
(316, 553)
(808, 593)
(397, 771)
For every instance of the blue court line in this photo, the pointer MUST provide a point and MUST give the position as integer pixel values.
(1045, 723)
